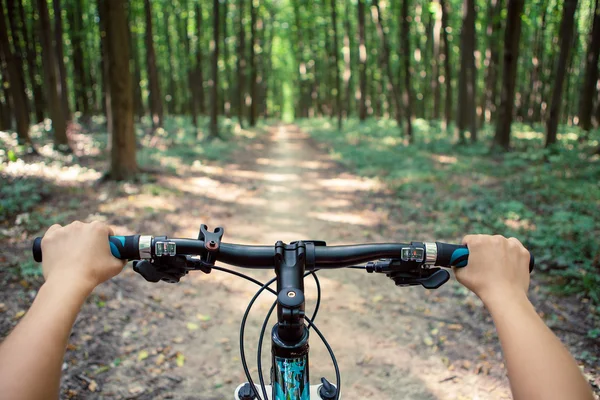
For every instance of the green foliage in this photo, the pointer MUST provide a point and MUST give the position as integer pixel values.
(549, 199)
(20, 195)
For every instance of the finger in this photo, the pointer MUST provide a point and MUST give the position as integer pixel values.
(53, 228)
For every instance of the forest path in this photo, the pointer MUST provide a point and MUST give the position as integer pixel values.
(181, 341)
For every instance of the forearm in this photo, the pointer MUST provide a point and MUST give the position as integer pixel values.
(31, 356)
(539, 366)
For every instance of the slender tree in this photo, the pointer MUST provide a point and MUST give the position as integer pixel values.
(362, 62)
(347, 60)
(19, 57)
(214, 89)
(566, 40)
(466, 84)
(32, 66)
(447, 63)
(241, 64)
(15, 74)
(155, 99)
(407, 92)
(76, 34)
(63, 90)
(59, 124)
(123, 162)
(588, 87)
(512, 37)
(253, 64)
(492, 57)
(338, 89)
(435, 76)
(199, 60)
(385, 58)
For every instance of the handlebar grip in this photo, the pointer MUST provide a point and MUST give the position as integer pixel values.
(457, 255)
(122, 247)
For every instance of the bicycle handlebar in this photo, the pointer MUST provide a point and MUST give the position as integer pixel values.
(440, 254)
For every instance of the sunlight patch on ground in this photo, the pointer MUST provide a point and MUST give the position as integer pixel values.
(527, 134)
(54, 172)
(443, 159)
(347, 218)
(349, 184)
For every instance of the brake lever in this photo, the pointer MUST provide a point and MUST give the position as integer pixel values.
(169, 269)
(433, 279)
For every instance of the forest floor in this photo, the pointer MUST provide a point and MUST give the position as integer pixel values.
(137, 340)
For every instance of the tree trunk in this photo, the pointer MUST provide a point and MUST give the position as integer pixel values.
(106, 94)
(492, 56)
(199, 68)
(385, 58)
(588, 87)
(19, 44)
(566, 40)
(123, 162)
(435, 73)
(214, 89)
(534, 100)
(32, 67)
(227, 88)
(427, 67)
(80, 84)
(467, 116)
(138, 104)
(449, 115)
(63, 90)
(15, 78)
(304, 101)
(338, 92)
(155, 99)
(171, 94)
(347, 61)
(362, 62)
(241, 64)
(253, 69)
(52, 74)
(407, 92)
(512, 36)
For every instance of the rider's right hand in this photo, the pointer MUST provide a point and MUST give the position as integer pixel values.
(498, 268)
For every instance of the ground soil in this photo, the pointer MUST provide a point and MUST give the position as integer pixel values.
(138, 340)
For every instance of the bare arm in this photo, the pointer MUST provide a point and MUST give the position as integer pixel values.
(76, 259)
(539, 366)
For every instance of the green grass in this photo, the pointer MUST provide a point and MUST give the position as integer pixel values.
(550, 199)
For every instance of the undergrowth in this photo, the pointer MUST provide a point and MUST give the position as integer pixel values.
(548, 198)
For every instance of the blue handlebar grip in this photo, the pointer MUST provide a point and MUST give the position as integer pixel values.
(121, 247)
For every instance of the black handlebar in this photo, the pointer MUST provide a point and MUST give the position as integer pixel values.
(127, 248)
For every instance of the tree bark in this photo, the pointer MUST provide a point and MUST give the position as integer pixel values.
(32, 67)
(253, 69)
(338, 91)
(448, 114)
(15, 78)
(123, 162)
(467, 116)
(155, 99)
(199, 67)
(347, 61)
(171, 95)
(512, 37)
(492, 57)
(52, 74)
(214, 98)
(138, 104)
(535, 99)
(588, 87)
(435, 73)
(407, 92)
(227, 88)
(63, 90)
(362, 62)
(304, 101)
(19, 44)
(80, 84)
(106, 94)
(566, 39)
(241, 64)
(385, 58)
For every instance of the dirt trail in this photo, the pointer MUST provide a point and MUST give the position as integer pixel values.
(391, 343)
